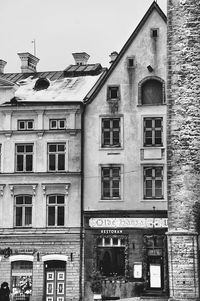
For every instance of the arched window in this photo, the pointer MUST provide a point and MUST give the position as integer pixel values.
(151, 91)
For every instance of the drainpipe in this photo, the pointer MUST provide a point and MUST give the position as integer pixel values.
(81, 209)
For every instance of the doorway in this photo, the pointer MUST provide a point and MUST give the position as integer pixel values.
(55, 280)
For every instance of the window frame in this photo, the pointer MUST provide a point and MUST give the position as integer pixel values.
(153, 178)
(57, 153)
(140, 85)
(111, 131)
(109, 92)
(153, 128)
(26, 122)
(110, 179)
(55, 205)
(23, 206)
(58, 121)
(24, 154)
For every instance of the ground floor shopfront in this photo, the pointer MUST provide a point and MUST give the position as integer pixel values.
(129, 249)
(43, 266)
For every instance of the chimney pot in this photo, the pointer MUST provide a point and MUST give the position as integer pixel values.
(28, 62)
(113, 56)
(80, 58)
(2, 65)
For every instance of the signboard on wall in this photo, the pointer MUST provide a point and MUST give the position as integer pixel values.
(127, 222)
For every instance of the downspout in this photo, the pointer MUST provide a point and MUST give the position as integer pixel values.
(81, 207)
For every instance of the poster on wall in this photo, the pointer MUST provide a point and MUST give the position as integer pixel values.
(155, 276)
(137, 270)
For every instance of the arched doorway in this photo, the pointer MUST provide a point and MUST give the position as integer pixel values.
(55, 280)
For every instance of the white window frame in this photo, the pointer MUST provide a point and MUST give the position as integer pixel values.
(58, 124)
(56, 156)
(26, 124)
(23, 206)
(56, 205)
(24, 154)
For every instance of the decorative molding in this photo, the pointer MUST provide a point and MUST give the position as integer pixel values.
(55, 257)
(33, 187)
(21, 257)
(2, 189)
(8, 135)
(40, 134)
(113, 105)
(47, 186)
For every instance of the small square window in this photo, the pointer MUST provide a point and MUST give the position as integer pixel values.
(113, 92)
(131, 62)
(56, 124)
(25, 125)
(154, 32)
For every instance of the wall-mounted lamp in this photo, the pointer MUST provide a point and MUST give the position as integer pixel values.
(150, 69)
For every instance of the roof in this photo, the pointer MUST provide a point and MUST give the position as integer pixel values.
(154, 6)
(5, 83)
(71, 85)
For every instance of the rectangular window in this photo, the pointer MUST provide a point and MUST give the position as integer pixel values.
(25, 125)
(110, 182)
(111, 256)
(24, 157)
(153, 131)
(23, 211)
(56, 210)
(153, 182)
(113, 92)
(111, 132)
(56, 124)
(56, 155)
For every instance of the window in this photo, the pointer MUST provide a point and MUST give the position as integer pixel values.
(21, 279)
(113, 93)
(153, 131)
(153, 182)
(25, 125)
(111, 132)
(154, 32)
(110, 182)
(56, 210)
(57, 124)
(131, 62)
(23, 211)
(151, 91)
(24, 157)
(56, 155)
(111, 256)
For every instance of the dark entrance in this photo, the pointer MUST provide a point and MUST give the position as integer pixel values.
(55, 280)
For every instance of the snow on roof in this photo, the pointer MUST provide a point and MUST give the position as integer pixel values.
(65, 89)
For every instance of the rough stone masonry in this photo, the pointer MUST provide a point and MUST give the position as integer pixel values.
(183, 145)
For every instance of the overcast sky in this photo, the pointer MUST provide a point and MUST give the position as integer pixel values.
(61, 27)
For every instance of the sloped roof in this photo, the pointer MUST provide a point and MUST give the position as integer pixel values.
(63, 87)
(154, 6)
(6, 83)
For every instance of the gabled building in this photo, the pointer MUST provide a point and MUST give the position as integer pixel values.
(41, 178)
(125, 170)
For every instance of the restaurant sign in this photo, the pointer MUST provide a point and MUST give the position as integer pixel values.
(128, 222)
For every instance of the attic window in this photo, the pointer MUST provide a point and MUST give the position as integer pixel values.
(41, 84)
(154, 32)
(131, 62)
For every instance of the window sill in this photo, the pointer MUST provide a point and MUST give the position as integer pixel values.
(153, 200)
(110, 200)
(151, 105)
(111, 148)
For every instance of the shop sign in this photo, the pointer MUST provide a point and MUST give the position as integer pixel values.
(24, 251)
(113, 231)
(128, 222)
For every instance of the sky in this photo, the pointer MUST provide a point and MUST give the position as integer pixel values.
(61, 27)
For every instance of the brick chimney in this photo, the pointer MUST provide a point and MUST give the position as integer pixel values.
(81, 58)
(183, 145)
(28, 61)
(2, 66)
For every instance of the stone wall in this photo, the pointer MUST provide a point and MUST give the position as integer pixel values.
(183, 144)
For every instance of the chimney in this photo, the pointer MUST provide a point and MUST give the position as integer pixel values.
(28, 61)
(113, 56)
(2, 65)
(80, 58)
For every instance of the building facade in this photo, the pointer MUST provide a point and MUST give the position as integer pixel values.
(40, 179)
(125, 187)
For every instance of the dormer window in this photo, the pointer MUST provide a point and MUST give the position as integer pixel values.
(41, 84)
(113, 93)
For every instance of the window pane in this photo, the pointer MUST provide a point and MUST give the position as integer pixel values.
(148, 123)
(116, 123)
(60, 199)
(106, 123)
(30, 124)
(18, 216)
(52, 199)
(106, 172)
(29, 148)
(152, 92)
(114, 92)
(21, 125)
(20, 148)
(51, 216)
(62, 123)
(29, 166)
(52, 162)
(28, 199)
(158, 123)
(115, 137)
(106, 138)
(20, 164)
(28, 216)
(158, 189)
(115, 241)
(148, 172)
(158, 172)
(106, 189)
(116, 172)
(61, 147)
(53, 124)
(61, 162)
(52, 147)
(19, 200)
(61, 212)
